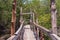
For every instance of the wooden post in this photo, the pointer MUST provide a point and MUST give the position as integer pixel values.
(21, 18)
(53, 17)
(33, 17)
(30, 15)
(41, 33)
(37, 29)
(13, 18)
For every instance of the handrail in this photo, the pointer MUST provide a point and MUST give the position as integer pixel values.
(43, 29)
(48, 32)
(17, 34)
(54, 37)
(19, 28)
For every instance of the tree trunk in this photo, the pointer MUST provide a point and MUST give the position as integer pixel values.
(53, 17)
(13, 21)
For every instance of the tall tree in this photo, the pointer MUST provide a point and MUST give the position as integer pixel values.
(53, 17)
(13, 18)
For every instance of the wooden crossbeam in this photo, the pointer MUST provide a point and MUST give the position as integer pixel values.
(25, 13)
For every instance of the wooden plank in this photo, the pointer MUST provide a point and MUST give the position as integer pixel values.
(28, 33)
(21, 17)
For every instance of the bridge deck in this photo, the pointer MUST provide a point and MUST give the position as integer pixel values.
(28, 33)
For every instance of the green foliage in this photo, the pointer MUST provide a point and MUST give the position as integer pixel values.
(6, 4)
(58, 10)
(46, 37)
(44, 20)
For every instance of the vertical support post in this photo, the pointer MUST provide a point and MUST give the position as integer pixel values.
(37, 29)
(21, 18)
(13, 18)
(33, 17)
(30, 15)
(53, 17)
(41, 33)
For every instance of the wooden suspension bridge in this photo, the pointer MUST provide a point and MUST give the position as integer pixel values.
(32, 31)
(25, 32)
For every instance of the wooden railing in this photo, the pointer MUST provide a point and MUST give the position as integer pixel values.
(46, 31)
(17, 35)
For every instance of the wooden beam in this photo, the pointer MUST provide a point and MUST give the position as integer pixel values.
(25, 13)
(21, 16)
(13, 18)
(54, 37)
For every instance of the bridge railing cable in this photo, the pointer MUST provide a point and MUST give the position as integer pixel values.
(16, 36)
(46, 31)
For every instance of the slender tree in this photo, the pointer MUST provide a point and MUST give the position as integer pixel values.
(53, 17)
(13, 18)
